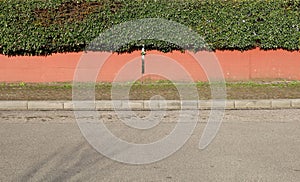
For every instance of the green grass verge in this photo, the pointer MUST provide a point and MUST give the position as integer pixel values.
(146, 90)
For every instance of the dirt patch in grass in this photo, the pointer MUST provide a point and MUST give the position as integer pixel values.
(71, 11)
(145, 91)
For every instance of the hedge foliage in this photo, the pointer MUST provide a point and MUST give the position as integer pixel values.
(42, 27)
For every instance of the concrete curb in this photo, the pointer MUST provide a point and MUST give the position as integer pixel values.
(107, 105)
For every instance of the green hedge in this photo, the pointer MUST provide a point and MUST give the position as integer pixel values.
(39, 27)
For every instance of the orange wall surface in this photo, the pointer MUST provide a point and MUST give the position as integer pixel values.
(236, 66)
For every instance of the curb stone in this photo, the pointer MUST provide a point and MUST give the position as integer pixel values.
(45, 105)
(13, 105)
(108, 105)
(281, 104)
(295, 103)
(253, 104)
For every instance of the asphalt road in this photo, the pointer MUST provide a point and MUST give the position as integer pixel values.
(253, 145)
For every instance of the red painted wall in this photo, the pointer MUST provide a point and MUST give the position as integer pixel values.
(236, 65)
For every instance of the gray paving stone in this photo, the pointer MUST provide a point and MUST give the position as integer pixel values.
(152, 104)
(189, 104)
(253, 104)
(45, 105)
(218, 104)
(171, 105)
(108, 105)
(295, 103)
(132, 105)
(284, 103)
(13, 105)
(79, 105)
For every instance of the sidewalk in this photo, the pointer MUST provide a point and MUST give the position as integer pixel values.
(108, 105)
